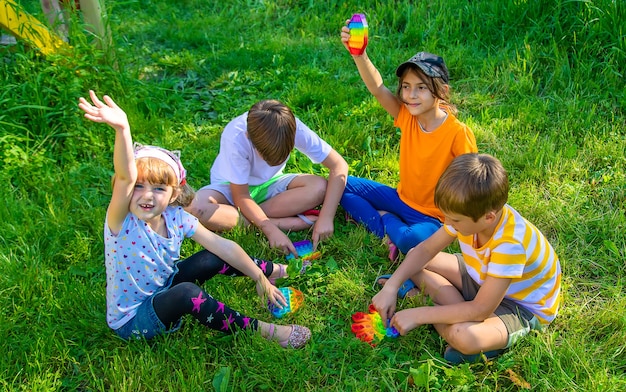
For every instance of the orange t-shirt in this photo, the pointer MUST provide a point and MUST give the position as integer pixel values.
(425, 155)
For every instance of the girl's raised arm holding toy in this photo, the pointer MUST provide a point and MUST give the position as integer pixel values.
(148, 288)
(431, 136)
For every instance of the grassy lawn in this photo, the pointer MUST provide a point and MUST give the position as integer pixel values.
(541, 83)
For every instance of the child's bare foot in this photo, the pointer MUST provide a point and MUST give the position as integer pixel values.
(280, 271)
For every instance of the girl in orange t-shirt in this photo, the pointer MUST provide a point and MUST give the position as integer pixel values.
(431, 136)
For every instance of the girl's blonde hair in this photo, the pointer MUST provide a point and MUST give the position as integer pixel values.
(156, 171)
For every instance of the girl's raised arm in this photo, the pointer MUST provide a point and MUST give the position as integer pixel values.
(123, 155)
(372, 78)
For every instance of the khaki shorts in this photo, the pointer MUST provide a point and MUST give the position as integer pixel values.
(517, 319)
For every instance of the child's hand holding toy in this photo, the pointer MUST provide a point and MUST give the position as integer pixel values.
(294, 298)
(305, 251)
(370, 327)
(358, 34)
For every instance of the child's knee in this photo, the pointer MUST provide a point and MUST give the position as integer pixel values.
(318, 188)
(462, 339)
(215, 217)
(195, 208)
(185, 290)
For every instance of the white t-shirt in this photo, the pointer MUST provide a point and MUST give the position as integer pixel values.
(239, 163)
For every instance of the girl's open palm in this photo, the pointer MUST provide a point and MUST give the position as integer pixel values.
(104, 112)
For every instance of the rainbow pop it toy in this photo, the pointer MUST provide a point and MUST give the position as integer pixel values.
(305, 251)
(294, 298)
(358, 34)
(370, 328)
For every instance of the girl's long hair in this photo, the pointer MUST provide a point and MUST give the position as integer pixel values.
(435, 85)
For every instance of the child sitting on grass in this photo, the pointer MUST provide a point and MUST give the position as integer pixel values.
(431, 136)
(506, 281)
(248, 185)
(148, 288)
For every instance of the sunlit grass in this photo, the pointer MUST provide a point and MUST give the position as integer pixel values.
(540, 83)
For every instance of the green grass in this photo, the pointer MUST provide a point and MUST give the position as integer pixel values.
(541, 83)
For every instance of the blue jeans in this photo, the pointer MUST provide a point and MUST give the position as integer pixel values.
(406, 227)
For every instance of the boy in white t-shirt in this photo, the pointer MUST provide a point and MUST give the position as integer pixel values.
(247, 176)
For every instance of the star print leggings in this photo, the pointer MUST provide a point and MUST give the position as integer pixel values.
(185, 296)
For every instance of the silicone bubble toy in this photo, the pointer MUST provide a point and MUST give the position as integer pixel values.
(370, 328)
(294, 298)
(358, 34)
(305, 251)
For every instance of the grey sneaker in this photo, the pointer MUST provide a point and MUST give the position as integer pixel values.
(455, 357)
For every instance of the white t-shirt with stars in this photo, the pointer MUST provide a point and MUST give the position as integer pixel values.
(139, 261)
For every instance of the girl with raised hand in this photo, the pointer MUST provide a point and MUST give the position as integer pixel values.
(149, 288)
(431, 137)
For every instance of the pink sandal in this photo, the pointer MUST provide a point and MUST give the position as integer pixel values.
(350, 220)
(298, 337)
(282, 271)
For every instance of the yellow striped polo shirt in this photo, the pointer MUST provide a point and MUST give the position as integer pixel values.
(517, 250)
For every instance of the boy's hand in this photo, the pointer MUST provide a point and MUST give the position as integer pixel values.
(104, 112)
(385, 303)
(322, 230)
(406, 320)
(279, 240)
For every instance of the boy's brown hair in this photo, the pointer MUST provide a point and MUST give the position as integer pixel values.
(272, 130)
(472, 185)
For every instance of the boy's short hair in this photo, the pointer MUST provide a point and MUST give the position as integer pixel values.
(472, 185)
(272, 130)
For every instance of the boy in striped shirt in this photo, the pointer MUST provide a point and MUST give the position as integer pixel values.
(506, 281)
